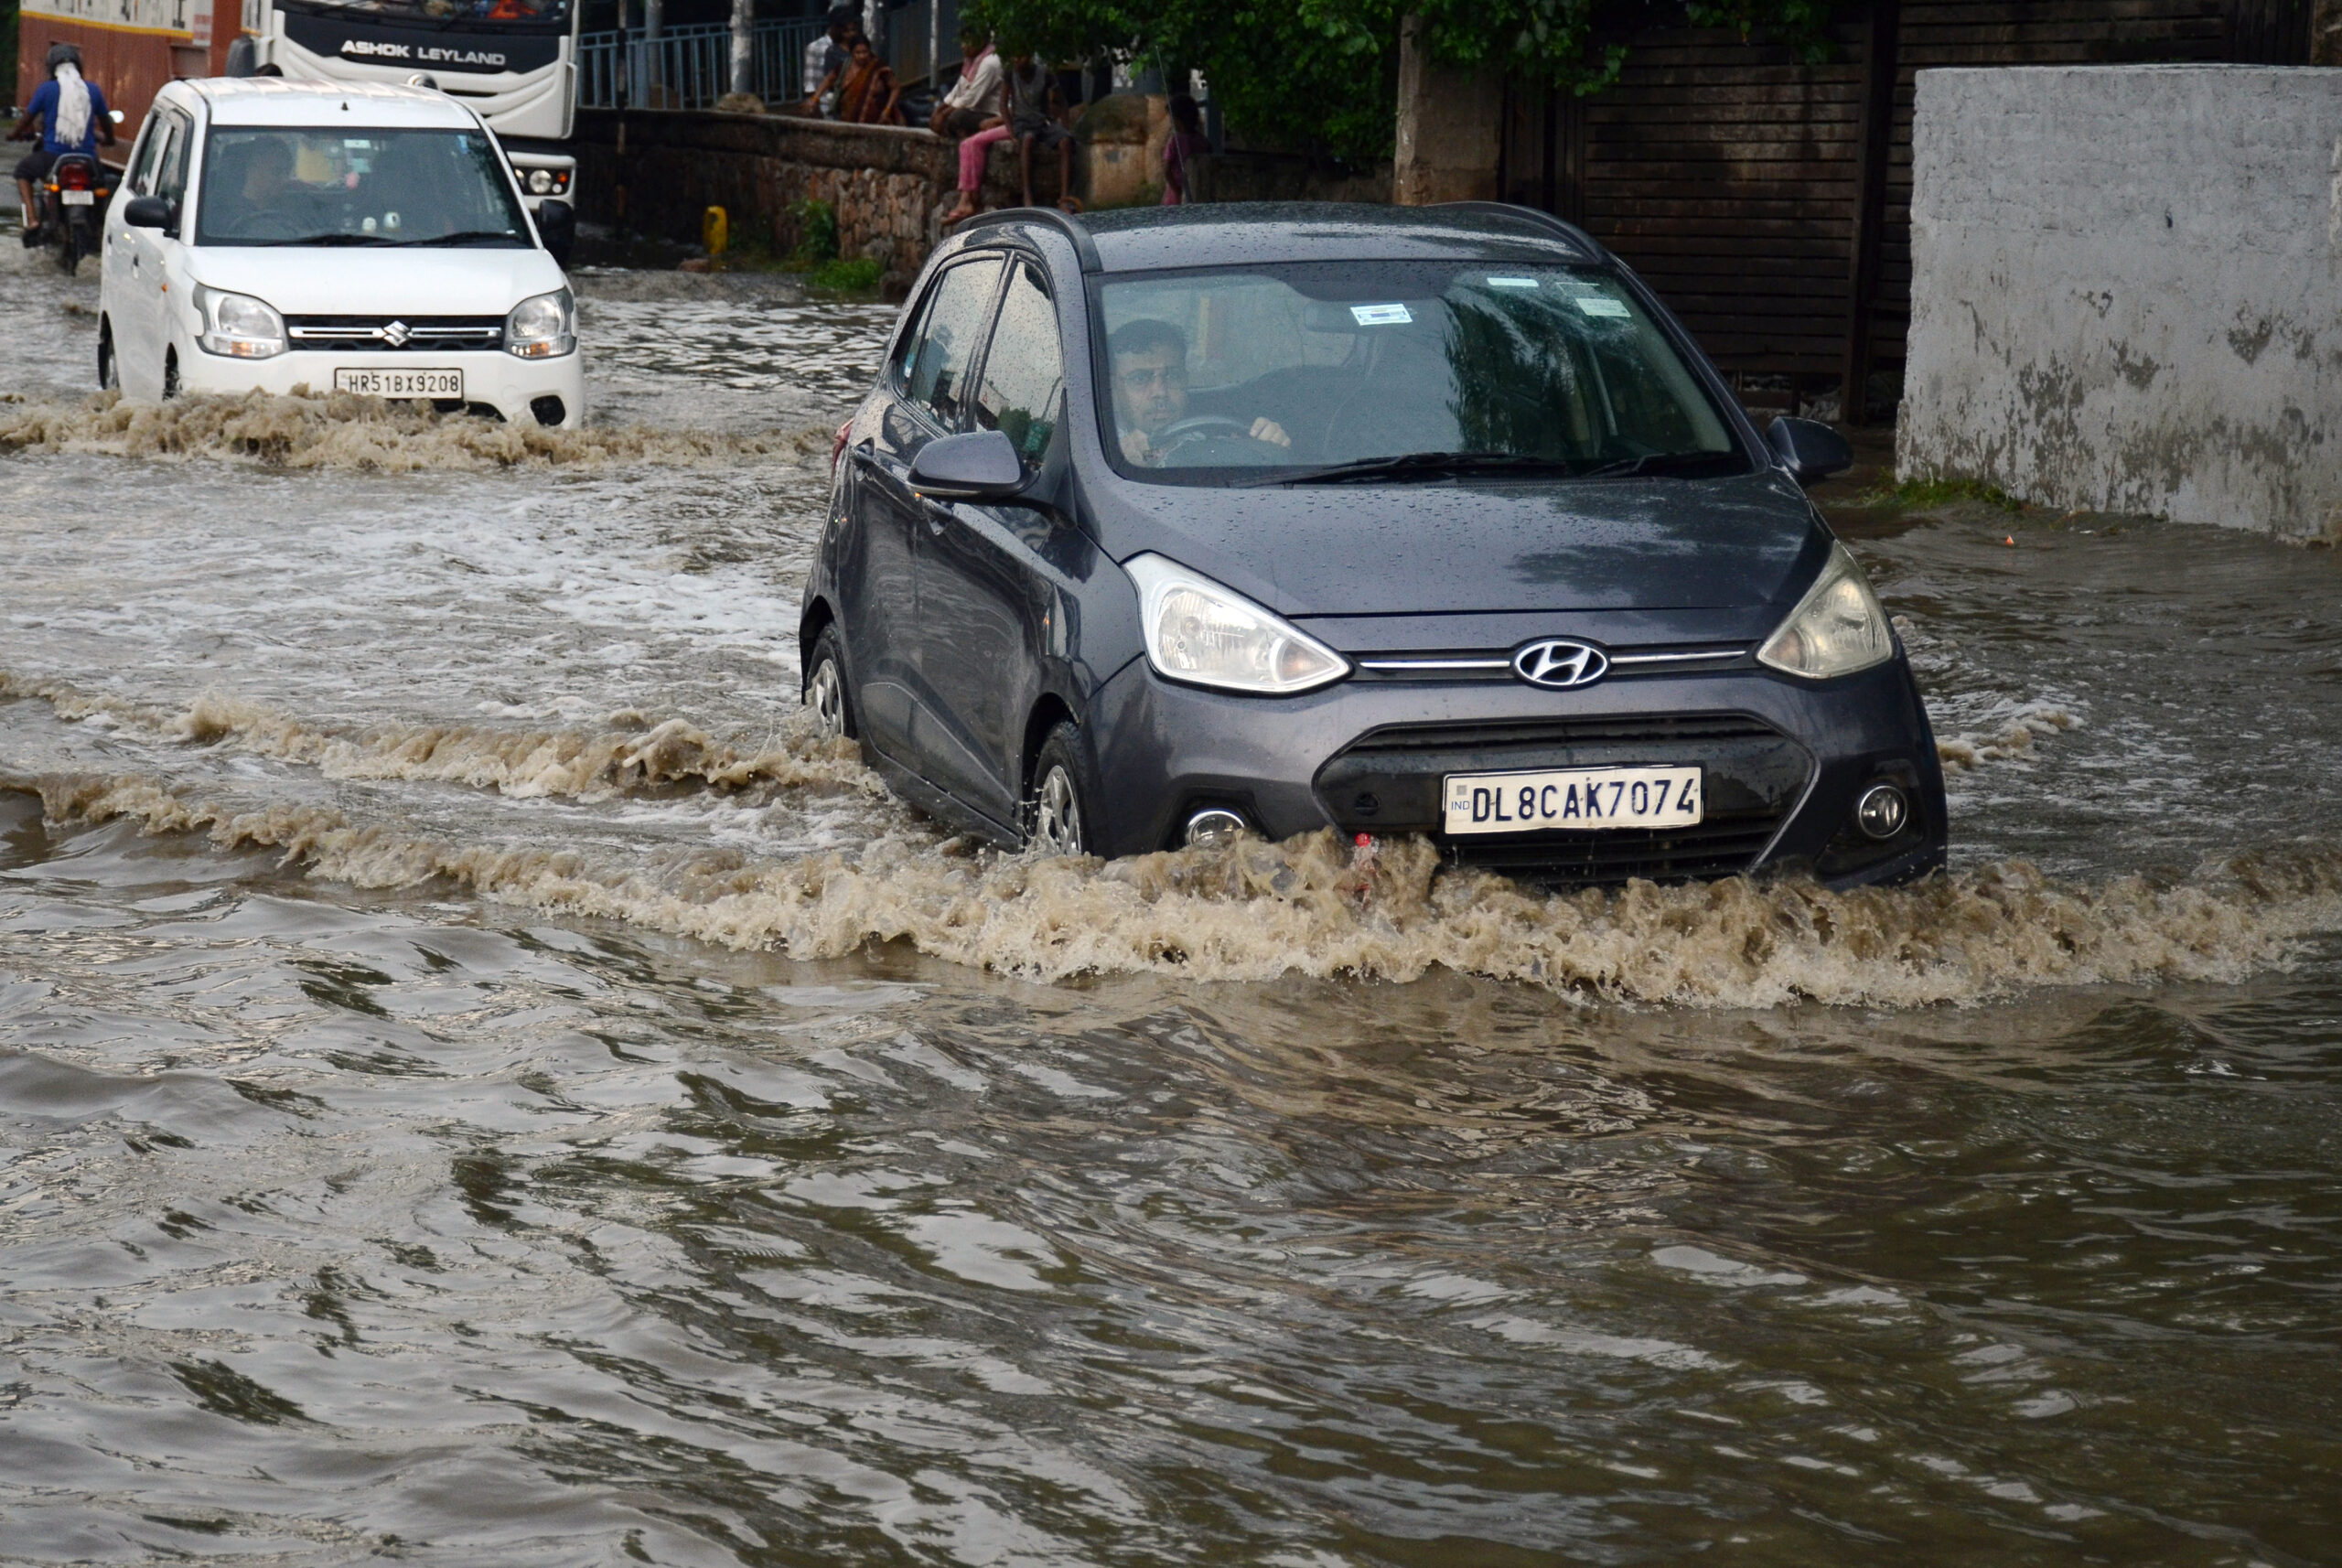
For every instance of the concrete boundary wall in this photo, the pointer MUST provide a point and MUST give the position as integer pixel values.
(2127, 290)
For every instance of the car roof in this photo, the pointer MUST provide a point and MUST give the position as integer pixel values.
(1237, 233)
(272, 101)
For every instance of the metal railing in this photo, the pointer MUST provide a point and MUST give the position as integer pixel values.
(690, 66)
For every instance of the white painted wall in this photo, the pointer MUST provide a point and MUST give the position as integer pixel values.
(2127, 290)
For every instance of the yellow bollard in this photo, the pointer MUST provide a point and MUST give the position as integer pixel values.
(716, 232)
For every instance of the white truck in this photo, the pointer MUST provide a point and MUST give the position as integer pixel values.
(513, 62)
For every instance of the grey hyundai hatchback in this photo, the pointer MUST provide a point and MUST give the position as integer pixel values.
(1163, 525)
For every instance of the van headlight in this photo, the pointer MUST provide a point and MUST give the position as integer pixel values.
(1836, 630)
(238, 326)
(541, 326)
(1197, 630)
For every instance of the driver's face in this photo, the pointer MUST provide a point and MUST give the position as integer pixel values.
(1151, 388)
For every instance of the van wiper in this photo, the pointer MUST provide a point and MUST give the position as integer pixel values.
(465, 237)
(1423, 465)
(1680, 465)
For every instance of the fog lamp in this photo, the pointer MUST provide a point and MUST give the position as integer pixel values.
(1882, 811)
(1214, 824)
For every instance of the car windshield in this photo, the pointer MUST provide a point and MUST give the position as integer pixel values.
(1296, 373)
(518, 14)
(276, 187)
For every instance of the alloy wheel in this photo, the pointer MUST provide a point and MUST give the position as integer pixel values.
(1056, 814)
(825, 694)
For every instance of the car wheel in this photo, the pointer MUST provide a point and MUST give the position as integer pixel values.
(109, 372)
(1060, 815)
(825, 688)
(170, 374)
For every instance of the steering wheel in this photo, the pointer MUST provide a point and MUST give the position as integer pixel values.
(1200, 427)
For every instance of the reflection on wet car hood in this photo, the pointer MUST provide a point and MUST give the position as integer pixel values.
(1481, 546)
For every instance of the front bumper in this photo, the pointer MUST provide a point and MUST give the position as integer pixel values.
(508, 384)
(1784, 761)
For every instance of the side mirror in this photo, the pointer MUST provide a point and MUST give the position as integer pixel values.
(981, 466)
(244, 55)
(557, 227)
(148, 213)
(1812, 450)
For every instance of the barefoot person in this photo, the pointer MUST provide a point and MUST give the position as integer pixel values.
(976, 111)
(1036, 117)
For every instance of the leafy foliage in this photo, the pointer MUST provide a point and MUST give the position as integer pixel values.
(1322, 75)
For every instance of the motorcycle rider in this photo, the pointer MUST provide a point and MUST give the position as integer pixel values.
(72, 117)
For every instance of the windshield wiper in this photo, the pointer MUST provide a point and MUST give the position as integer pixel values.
(1426, 465)
(1679, 463)
(465, 237)
(333, 240)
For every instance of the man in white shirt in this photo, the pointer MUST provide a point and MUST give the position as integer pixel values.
(975, 102)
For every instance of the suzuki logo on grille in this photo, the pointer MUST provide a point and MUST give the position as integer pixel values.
(396, 334)
(1558, 661)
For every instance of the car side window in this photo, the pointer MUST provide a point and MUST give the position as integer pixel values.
(170, 182)
(1022, 391)
(948, 339)
(142, 162)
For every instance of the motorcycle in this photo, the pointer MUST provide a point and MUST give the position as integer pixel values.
(73, 197)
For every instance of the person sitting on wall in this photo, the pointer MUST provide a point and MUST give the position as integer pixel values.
(868, 95)
(1036, 115)
(976, 110)
(72, 118)
(1150, 386)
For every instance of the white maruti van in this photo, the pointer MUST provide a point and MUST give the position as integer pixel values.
(271, 233)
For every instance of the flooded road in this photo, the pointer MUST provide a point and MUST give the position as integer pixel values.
(479, 1080)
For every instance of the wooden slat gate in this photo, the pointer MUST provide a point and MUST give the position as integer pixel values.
(1769, 201)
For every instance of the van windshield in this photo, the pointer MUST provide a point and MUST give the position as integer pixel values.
(289, 186)
(1256, 373)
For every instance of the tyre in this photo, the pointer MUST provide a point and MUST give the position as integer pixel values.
(108, 371)
(170, 374)
(825, 689)
(1060, 806)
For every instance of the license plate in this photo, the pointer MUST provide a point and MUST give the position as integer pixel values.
(399, 383)
(1575, 798)
(76, 197)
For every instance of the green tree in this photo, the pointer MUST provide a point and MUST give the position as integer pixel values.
(1322, 74)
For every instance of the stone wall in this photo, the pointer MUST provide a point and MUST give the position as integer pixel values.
(657, 171)
(2125, 290)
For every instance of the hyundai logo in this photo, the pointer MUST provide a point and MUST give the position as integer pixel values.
(1558, 661)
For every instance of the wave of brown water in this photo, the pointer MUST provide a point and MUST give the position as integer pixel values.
(341, 430)
(1315, 906)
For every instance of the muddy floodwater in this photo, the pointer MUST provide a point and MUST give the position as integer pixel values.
(481, 1082)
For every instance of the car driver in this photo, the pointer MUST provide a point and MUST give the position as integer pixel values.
(1150, 375)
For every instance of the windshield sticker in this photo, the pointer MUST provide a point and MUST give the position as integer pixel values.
(1381, 314)
(1595, 305)
(1512, 283)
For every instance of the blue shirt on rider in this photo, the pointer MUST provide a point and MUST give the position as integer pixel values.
(44, 104)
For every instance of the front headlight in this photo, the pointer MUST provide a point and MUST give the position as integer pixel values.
(1836, 630)
(238, 326)
(1196, 630)
(541, 326)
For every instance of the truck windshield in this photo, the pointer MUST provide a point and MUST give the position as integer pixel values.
(518, 14)
(1324, 370)
(287, 187)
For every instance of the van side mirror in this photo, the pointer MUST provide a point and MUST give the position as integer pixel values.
(148, 213)
(981, 466)
(1811, 450)
(557, 227)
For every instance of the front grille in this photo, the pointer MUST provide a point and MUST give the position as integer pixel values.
(395, 334)
(1390, 780)
(1495, 665)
